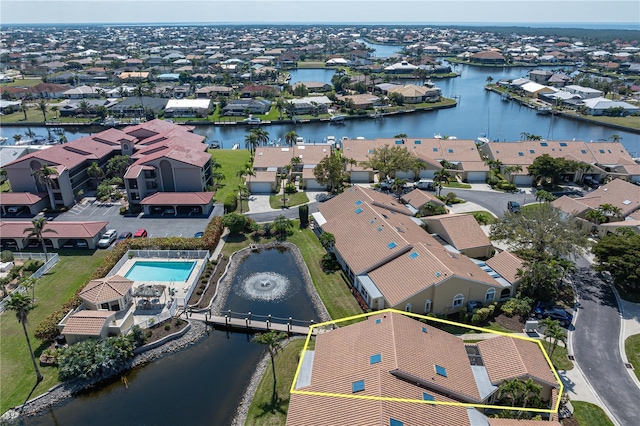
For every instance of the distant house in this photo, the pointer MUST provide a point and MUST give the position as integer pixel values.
(213, 91)
(73, 107)
(488, 57)
(314, 86)
(82, 92)
(584, 92)
(402, 67)
(364, 101)
(134, 76)
(244, 106)
(253, 90)
(412, 94)
(134, 106)
(188, 108)
(603, 106)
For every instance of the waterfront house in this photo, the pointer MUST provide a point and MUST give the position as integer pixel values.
(393, 357)
(188, 107)
(247, 106)
(488, 57)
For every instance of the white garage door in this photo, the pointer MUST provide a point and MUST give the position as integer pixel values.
(476, 177)
(427, 174)
(362, 177)
(313, 184)
(524, 180)
(260, 187)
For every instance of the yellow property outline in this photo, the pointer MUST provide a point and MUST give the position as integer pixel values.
(417, 401)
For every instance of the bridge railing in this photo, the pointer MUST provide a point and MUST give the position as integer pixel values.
(249, 316)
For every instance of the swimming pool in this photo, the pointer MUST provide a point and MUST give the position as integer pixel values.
(160, 271)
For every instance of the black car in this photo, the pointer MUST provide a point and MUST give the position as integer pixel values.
(543, 310)
(513, 206)
(124, 236)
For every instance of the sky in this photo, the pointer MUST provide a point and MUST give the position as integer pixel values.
(314, 11)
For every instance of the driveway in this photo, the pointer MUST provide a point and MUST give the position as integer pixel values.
(157, 226)
(596, 347)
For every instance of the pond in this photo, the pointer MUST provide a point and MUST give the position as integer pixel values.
(311, 74)
(203, 384)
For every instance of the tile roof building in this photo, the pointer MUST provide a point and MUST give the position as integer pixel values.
(392, 356)
(393, 262)
(166, 158)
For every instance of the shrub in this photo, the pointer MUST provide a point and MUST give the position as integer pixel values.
(463, 314)
(92, 359)
(236, 222)
(517, 306)
(481, 315)
(506, 186)
(290, 188)
(123, 210)
(493, 180)
(303, 215)
(231, 203)
(167, 327)
(6, 256)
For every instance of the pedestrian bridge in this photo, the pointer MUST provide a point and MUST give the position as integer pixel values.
(254, 323)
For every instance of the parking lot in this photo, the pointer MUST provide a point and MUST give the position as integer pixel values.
(156, 226)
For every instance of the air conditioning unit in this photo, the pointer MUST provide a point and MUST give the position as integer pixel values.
(531, 326)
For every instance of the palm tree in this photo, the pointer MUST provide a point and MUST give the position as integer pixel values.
(489, 80)
(511, 390)
(290, 137)
(43, 107)
(43, 178)
(272, 339)
(530, 390)
(24, 107)
(251, 142)
(554, 333)
(84, 108)
(243, 193)
(512, 170)
(95, 172)
(21, 305)
(39, 227)
(55, 110)
(262, 135)
(280, 106)
(440, 178)
(596, 216)
(615, 137)
(397, 185)
(610, 210)
(17, 137)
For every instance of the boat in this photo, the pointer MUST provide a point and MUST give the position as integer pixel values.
(213, 145)
(437, 136)
(111, 122)
(337, 118)
(331, 140)
(3, 140)
(299, 140)
(544, 110)
(235, 146)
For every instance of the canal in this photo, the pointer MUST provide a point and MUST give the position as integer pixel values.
(203, 384)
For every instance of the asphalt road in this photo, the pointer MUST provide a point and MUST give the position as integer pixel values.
(595, 346)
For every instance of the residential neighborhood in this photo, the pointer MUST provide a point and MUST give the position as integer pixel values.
(454, 281)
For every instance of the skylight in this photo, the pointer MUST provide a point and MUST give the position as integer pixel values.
(359, 210)
(427, 397)
(451, 150)
(370, 151)
(544, 144)
(602, 151)
(413, 255)
(441, 371)
(378, 321)
(394, 422)
(357, 386)
(563, 144)
(435, 149)
(626, 202)
(521, 154)
(374, 359)
(584, 151)
(424, 329)
(399, 142)
(532, 151)
(391, 245)
(358, 202)
(417, 142)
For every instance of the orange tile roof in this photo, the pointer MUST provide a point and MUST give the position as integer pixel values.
(105, 289)
(175, 198)
(516, 422)
(87, 323)
(21, 198)
(418, 198)
(506, 264)
(462, 230)
(525, 359)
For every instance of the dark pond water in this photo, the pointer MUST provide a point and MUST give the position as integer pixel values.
(201, 385)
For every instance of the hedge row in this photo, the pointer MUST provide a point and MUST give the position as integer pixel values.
(48, 328)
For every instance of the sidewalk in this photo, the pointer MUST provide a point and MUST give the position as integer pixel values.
(259, 203)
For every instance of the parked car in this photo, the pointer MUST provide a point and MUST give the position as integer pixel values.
(513, 206)
(591, 183)
(424, 184)
(198, 235)
(140, 233)
(107, 238)
(124, 235)
(544, 310)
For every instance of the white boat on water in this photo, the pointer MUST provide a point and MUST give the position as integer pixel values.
(3, 140)
(235, 146)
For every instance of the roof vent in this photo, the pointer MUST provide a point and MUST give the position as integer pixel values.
(438, 274)
(626, 202)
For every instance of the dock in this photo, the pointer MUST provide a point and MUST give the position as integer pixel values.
(249, 325)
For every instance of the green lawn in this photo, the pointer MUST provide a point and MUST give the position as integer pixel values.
(292, 200)
(588, 414)
(264, 409)
(487, 217)
(231, 161)
(457, 185)
(331, 288)
(55, 288)
(5, 186)
(559, 358)
(27, 82)
(632, 349)
(310, 64)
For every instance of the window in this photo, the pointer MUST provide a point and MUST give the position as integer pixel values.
(427, 306)
(357, 386)
(490, 295)
(458, 300)
(407, 307)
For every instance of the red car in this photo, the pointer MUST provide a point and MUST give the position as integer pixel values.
(140, 233)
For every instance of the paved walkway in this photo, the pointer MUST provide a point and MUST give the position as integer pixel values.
(259, 203)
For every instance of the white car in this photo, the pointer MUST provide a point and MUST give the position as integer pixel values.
(108, 238)
(425, 184)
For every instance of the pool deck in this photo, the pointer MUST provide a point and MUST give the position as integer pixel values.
(181, 287)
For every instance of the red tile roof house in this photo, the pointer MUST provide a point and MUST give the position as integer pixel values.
(394, 263)
(461, 153)
(166, 158)
(391, 356)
